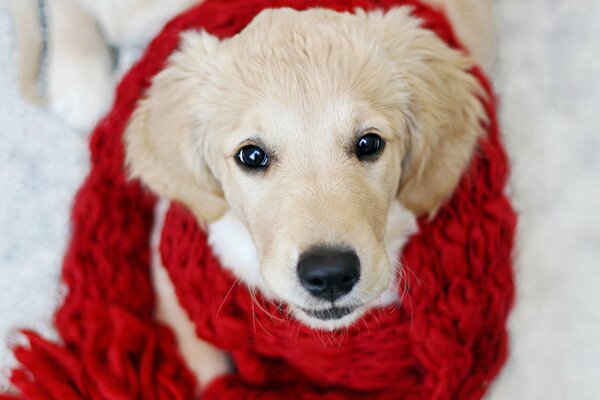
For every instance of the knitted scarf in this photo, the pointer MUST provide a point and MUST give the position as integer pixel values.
(447, 340)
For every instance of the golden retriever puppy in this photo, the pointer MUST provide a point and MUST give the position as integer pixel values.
(308, 143)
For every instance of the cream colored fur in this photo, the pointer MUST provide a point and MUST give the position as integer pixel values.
(80, 76)
(80, 81)
(133, 22)
(28, 34)
(473, 22)
(203, 359)
(305, 85)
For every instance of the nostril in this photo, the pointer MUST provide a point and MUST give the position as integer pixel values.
(328, 273)
(317, 282)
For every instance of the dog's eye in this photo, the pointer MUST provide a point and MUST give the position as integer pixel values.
(253, 157)
(369, 145)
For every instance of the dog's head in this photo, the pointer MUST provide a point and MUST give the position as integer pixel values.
(309, 126)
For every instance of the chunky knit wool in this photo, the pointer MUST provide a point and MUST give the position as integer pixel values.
(446, 341)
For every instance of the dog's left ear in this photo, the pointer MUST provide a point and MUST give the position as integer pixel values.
(446, 113)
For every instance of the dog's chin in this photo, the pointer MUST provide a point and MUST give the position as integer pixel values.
(328, 319)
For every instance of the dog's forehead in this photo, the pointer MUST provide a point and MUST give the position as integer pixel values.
(309, 124)
(299, 116)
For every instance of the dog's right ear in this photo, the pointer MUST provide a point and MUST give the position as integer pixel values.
(166, 138)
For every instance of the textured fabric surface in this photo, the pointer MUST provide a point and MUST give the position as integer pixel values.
(448, 342)
(546, 75)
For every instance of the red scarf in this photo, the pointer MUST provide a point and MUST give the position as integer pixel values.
(447, 341)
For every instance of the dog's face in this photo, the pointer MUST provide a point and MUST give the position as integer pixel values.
(309, 126)
(313, 183)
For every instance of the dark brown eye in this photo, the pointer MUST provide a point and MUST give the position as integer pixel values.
(369, 145)
(253, 157)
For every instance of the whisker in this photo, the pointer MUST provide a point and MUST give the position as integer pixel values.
(405, 266)
(298, 331)
(366, 325)
(256, 319)
(227, 295)
(263, 309)
(320, 336)
(253, 314)
(406, 291)
(372, 312)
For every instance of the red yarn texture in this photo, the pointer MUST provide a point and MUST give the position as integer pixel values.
(448, 339)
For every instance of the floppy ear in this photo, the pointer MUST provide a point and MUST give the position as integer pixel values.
(445, 116)
(166, 137)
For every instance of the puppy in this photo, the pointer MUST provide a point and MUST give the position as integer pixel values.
(309, 142)
(80, 74)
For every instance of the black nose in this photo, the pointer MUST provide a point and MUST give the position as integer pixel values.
(329, 273)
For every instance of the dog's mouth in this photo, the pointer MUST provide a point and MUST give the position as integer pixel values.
(329, 314)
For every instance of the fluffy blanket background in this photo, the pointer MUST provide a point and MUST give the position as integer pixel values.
(547, 77)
